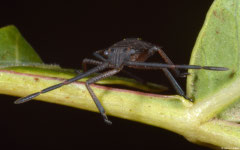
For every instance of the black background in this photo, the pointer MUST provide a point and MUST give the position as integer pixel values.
(65, 32)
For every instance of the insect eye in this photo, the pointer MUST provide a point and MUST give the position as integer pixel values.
(105, 53)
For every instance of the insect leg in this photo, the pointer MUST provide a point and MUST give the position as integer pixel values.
(176, 86)
(94, 97)
(144, 65)
(88, 61)
(174, 83)
(95, 62)
(80, 76)
(91, 62)
(168, 61)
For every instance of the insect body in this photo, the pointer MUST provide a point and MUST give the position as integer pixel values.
(126, 53)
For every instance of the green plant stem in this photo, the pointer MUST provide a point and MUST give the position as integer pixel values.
(173, 113)
(207, 108)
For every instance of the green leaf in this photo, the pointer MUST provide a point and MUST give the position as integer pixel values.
(218, 44)
(14, 50)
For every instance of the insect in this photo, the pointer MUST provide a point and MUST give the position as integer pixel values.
(130, 52)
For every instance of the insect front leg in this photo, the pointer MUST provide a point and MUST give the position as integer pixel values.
(91, 61)
(48, 89)
(94, 97)
(88, 61)
(95, 62)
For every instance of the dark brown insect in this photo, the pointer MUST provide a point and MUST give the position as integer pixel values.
(131, 52)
